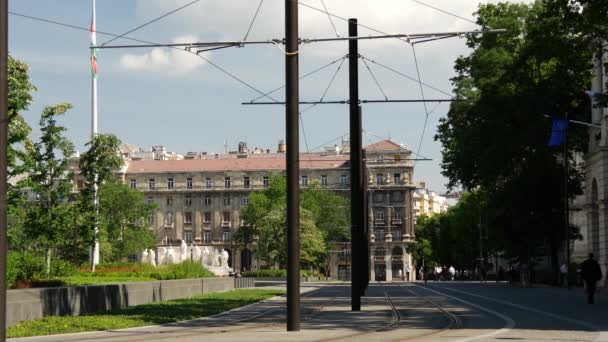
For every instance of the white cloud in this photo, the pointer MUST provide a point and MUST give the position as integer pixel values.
(163, 60)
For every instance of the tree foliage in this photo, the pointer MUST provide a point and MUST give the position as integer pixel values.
(495, 139)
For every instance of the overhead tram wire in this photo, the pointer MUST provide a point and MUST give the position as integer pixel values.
(331, 82)
(80, 28)
(444, 11)
(152, 21)
(330, 19)
(303, 77)
(375, 79)
(426, 109)
(257, 11)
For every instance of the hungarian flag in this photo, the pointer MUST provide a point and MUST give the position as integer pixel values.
(93, 43)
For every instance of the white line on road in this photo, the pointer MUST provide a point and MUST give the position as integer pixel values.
(603, 335)
(509, 323)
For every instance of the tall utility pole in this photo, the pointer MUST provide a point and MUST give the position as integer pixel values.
(292, 99)
(3, 161)
(356, 158)
(566, 208)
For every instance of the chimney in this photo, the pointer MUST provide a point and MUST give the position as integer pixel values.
(242, 147)
(422, 185)
(282, 147)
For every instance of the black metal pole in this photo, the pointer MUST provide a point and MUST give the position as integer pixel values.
(355, 165)
(566, 209)
(293, 164)
(3, 161)
(365, 259)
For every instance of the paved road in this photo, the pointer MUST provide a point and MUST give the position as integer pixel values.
(437, 311)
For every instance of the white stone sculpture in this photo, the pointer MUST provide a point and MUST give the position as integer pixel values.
(162, 255)
(224, 258)
(183, 252)
(205, 257)
(144, 257)
(152, 258)
(196, 253)
(170, 256)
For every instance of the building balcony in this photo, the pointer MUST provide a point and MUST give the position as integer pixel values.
(396, 220)
(169, 225)
(226, 224)
(380, 222)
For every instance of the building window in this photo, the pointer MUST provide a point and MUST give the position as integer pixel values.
(151, 185)
(170, 183)
(227, 236)
(397, 235)
(209, 183)
(188, 237)
(227, 182)
(226, 200)
(169, 218)
(344, 180)
(378, 197)
(188, 200)
(304, 181)
(380, 179)
(188, 217)
(207, 217)
(380, 216)
(133, 183)
(397, 196)
(265, 181)
(380, 235)
(397, 178)
(207, 201)
(169, 201)
(245, 200)
(323, 180)
(151, 219)
(225, 219)
(207, 236)
(380, 251)
(246, 183)
(189, 183)
(149, 200)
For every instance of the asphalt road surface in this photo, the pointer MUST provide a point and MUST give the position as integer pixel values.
(437, 311)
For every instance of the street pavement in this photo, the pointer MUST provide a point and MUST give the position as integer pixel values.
(436, 311)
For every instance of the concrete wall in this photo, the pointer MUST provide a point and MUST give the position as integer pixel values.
(29, 304)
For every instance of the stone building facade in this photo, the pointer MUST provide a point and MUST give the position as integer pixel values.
(200, 198)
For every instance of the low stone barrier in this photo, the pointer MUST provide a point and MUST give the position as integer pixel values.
(302, 279)
(29, 304)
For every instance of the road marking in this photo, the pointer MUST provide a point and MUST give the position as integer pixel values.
(603, 335)
(509, 323)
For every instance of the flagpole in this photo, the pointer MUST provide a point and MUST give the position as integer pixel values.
(95, 247)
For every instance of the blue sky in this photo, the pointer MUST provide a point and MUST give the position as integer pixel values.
(149, 97)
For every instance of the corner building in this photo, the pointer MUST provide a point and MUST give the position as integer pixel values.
(200, 199)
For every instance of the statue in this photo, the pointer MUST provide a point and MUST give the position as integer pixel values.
(144, 256)
(170, 256)
(152, 258)
(183, 252)
(224, 258)
(162, 255)
(215, 258)
(196, 253)
(205, 258)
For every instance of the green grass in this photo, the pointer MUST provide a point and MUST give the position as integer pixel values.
(142, 315)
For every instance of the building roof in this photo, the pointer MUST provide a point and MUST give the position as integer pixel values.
(275, 162)
(384, 145)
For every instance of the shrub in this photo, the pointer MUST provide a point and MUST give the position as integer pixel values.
(62, 268)
(185, 270)
(24, 267)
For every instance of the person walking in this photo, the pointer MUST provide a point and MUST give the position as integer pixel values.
(591, 273)
(563, 271)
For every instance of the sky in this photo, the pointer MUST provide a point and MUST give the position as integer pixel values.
(168, 97)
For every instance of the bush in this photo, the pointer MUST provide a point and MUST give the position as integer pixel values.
(62, 268)
(185, 270)
(24, 267)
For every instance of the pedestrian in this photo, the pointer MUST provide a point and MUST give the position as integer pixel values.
(400, 274)
(408, 270)
(563, 272)
(591, 273)
(452, 271)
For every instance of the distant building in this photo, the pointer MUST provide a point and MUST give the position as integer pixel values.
(428, 202)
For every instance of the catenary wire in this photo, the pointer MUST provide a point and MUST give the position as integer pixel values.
(444, 11)
(331, 82)
(375, 79)
(302, 77)
(257, 11)
(231, 75)
(407, 76)
(330, 19)
(152, 21)
(426, 108)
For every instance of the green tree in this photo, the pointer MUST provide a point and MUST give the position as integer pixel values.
(124, 216)
(494, 139)
(50, 178)
(97, 166)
